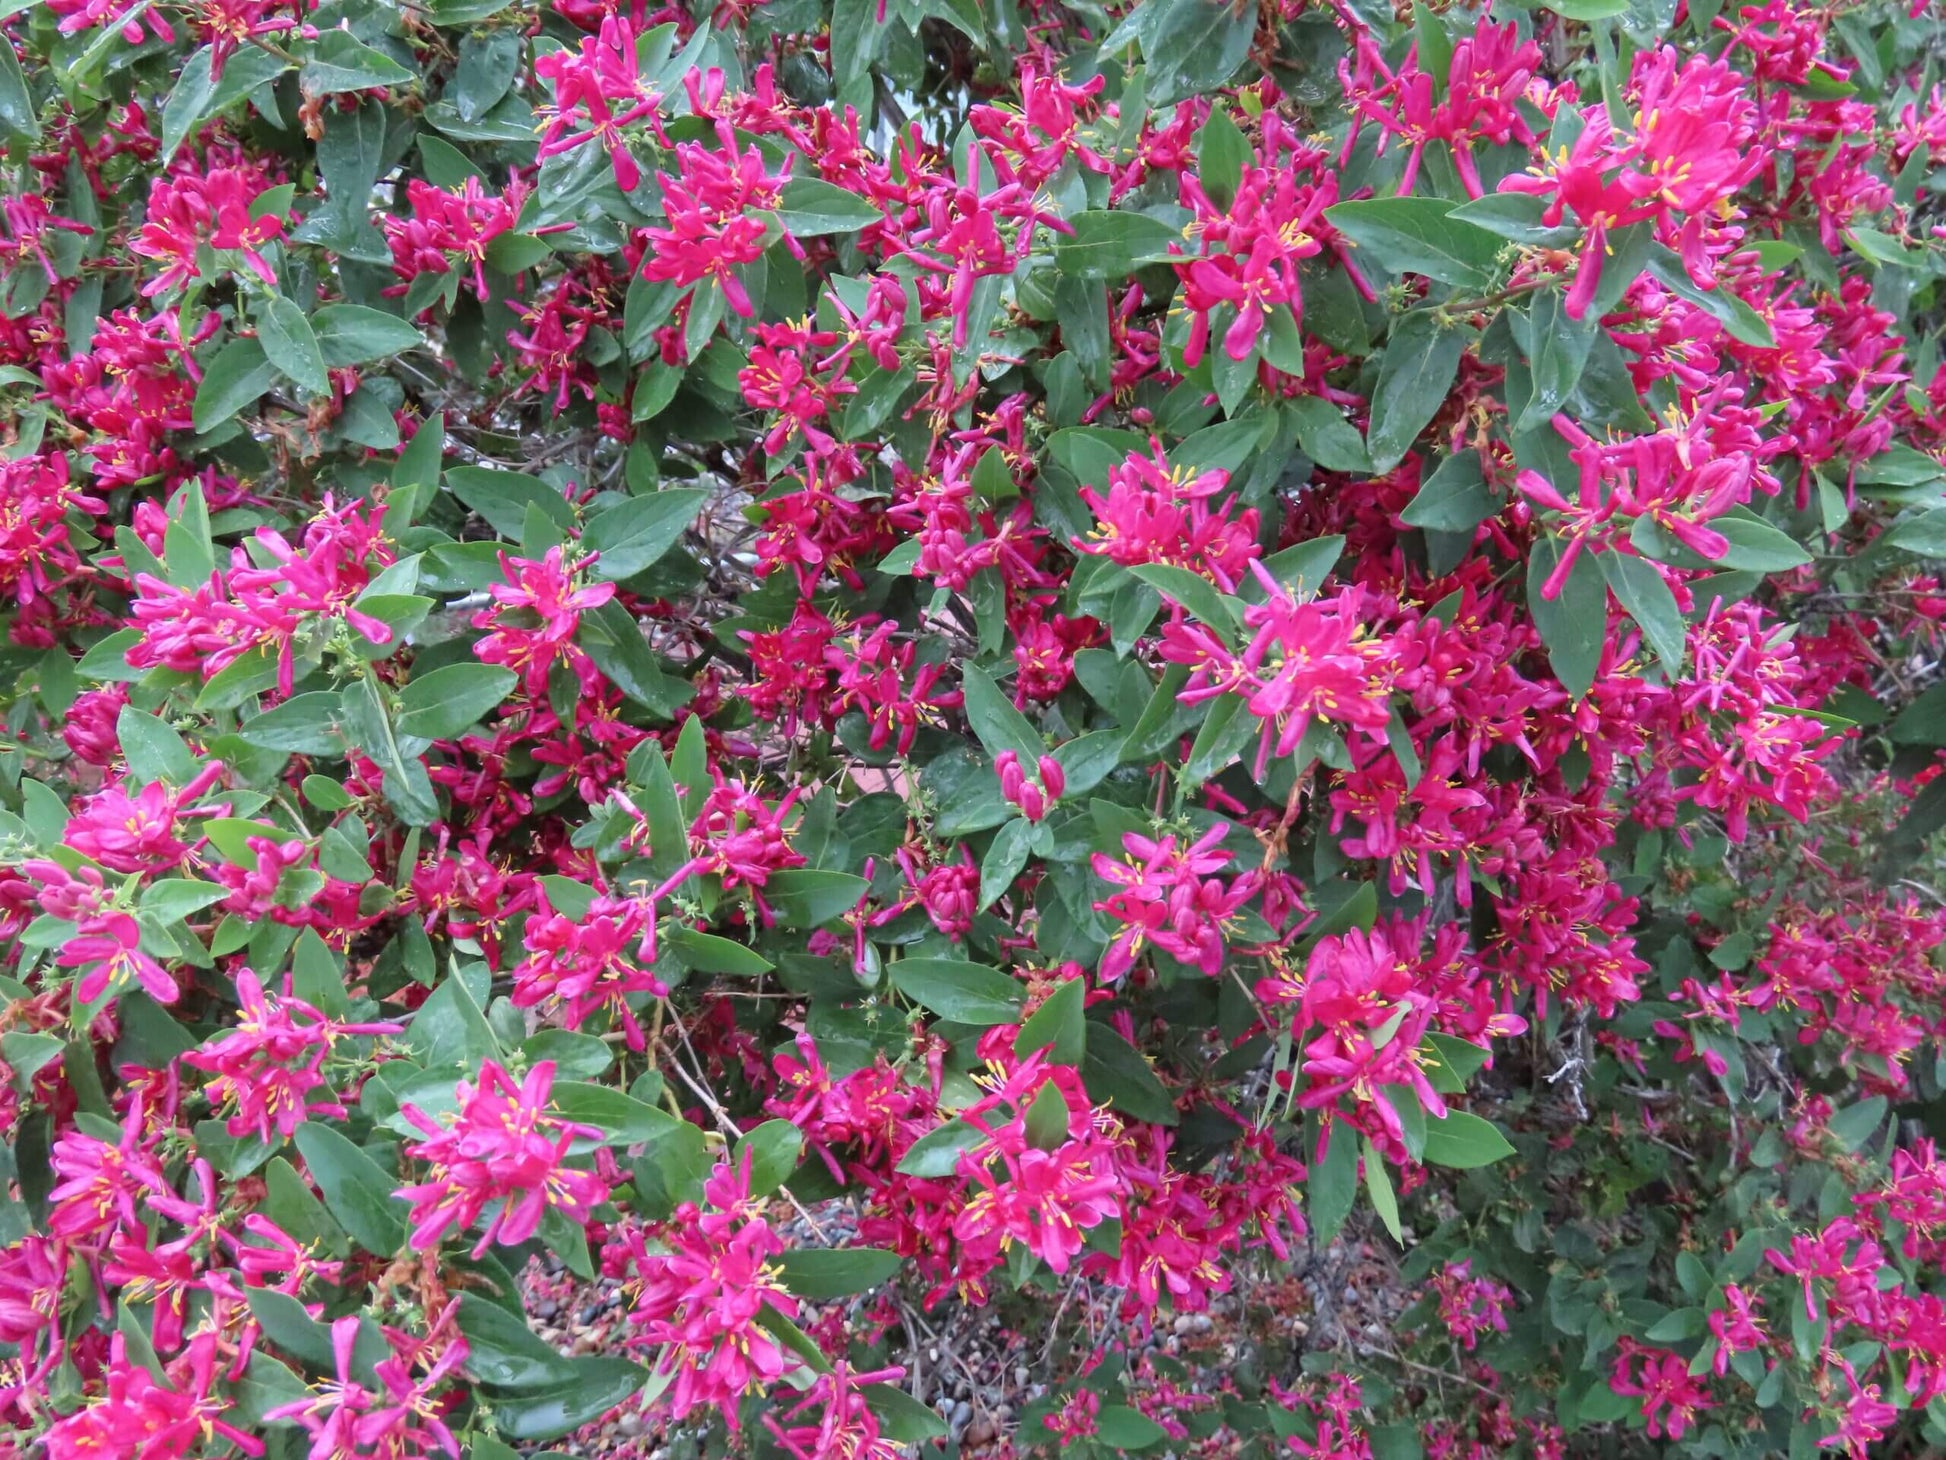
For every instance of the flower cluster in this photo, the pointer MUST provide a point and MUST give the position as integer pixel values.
(1242, 703)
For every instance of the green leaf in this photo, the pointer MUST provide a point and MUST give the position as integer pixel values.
(634, 535)
(1738, 319)
(515, 253)
(966, 993)
(1756, 545)
(1454, 498)
(234, 380)
(1327, 437)
(614, 641)
(1640, 588)
(1923, 536)
(501, 1349)
(772, 1150)
(999, 725)
(503, 497)
(174, 898)
(1453, 1063)
(902, 1418)
(339, 61)
(810, 207)
(836, 1272)
(1464, 1141)
(1049, 1120)
(1854, 1125)
(356, 1189)
(560, 1408)
(1331, 1188)
(291, 346)
(1557, 349)
(1193, 591)
(153, 751)
(1573, 625)
(197, 96)
(1515, 217)
(1115, 1071)
(709, 953)
(1419, 236)
(936, 1154)
(1222, 152)
(1923, 722)
(1057, 1026)
(1378, 1185)
(1193, 47)
(17, 111)
(1108, 245)
(624, 1120)
(1301, 568)
(1420, 362)
(1121, 1428)
(306, 724)
(449, 1030)
(1012, 846)
(286, 1324)
(805, 897)
(439, 705)
(488, 67)
(351, 334)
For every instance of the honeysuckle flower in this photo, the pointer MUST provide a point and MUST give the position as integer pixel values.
(499, 1149)
(1036, 795)
(190, 212)
(703, 1298)
(269, 1067)
(1169, 898)
(1671, 1399)
(141, 1414)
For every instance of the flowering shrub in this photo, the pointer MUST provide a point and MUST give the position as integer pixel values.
(845, 665)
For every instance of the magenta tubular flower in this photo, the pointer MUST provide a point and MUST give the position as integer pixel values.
(1156, 513)
(138, 833)
(709, 233)
(499, 1149)
(270, 1066)
(189, 210)
(1035, 798)
(1168, 898)
(139, 1415)
(110, 949)
(591, 963)
(535, 613)
(1047, 1201)
(600, 92)
(702, 1300)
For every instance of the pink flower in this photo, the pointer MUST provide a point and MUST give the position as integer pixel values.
(271, 1065)
(138, 833)
(1169, 898)
(188, 211)
(534, 616)
(1035, 798)
(500, 1146)
(140, 1415)
(1671, 1399)
(591, 963)
(1045, 1200)
(702, 1300)
(1156, 513)
(444, 230)
(710, 233)
(401, 1418)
